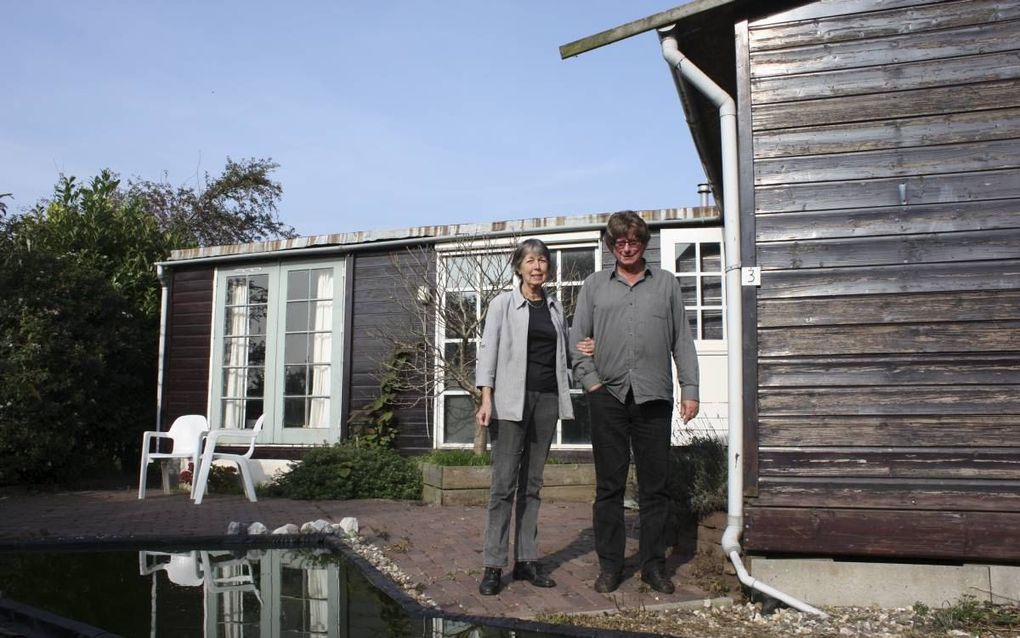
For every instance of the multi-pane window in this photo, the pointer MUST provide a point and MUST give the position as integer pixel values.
(279, 349)
(469, 283)
(244, 349)
(699, 269)
(307, 348)
(695, 255)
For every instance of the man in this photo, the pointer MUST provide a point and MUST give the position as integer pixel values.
(635, 313)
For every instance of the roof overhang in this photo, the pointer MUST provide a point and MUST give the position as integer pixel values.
(704, 31)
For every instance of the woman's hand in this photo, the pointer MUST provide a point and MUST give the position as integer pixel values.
(484, 414)
(586, 347)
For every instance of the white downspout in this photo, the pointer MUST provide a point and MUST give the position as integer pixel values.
(734, 312)
(164, 280)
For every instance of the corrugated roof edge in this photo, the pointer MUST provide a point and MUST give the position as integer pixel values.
(534, 224)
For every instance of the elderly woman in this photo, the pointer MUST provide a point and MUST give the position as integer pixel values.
(523, 374)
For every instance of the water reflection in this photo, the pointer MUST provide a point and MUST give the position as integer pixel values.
(218, 593)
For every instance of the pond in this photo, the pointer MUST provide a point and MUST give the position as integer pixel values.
(237, 592)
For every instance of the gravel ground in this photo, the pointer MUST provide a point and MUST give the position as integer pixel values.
(747, 621)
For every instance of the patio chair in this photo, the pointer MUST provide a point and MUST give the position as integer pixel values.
(210, 455)
(186, 432)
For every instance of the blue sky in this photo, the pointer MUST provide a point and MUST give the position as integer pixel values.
(380, 114)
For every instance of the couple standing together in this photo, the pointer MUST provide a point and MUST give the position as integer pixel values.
(629, 324)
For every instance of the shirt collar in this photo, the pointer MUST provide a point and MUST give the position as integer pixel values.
(519, 299)
(613, 274)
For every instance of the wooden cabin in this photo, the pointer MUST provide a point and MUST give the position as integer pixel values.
(879, 182)
(301, 329)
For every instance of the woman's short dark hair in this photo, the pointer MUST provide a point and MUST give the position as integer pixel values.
(622, 224)
(525, 248)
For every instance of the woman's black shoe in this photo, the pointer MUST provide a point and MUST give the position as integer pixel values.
(490, 581)
(528, 570)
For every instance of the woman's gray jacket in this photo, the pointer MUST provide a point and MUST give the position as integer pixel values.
(503, 355)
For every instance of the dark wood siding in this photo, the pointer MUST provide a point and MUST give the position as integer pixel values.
(376, 281)
(886, 212)
(189, 326)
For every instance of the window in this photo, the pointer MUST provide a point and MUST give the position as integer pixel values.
(698, 267)
(278, 346)
(695, 256)
(469, 280)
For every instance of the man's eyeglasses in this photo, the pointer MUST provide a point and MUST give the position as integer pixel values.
(624, 243)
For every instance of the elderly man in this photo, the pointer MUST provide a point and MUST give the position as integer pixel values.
(635, 313)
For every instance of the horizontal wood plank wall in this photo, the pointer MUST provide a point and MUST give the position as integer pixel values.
(189, 326)
(886, 144)
(376, 281)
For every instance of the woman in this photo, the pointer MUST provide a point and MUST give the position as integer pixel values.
(524, 379)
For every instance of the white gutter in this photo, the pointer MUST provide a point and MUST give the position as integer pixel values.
(164, 304)
(734, 312)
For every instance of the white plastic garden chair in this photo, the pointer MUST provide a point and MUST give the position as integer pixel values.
(228, 436)
(186, 432)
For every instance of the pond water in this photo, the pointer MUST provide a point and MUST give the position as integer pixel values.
(238, 593)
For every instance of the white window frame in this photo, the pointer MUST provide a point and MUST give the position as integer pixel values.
(273, 390)
(555, 242)
(712, 353)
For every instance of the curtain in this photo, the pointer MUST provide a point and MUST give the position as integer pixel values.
(235, 353)
(322, 346)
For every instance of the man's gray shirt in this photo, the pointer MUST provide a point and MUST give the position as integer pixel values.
(637, 329)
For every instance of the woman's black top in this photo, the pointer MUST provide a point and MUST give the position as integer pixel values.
(541, 375)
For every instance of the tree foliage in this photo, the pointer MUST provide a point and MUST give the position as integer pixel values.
(77, 333)
(80, 314)
(236, 207)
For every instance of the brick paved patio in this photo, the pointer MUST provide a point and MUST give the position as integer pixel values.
(440, 547)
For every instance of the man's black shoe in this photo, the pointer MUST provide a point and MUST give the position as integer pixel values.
(528, 570)
(607, 582)
(490, 581)
(658, 581)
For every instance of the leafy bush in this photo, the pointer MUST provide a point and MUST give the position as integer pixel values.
(698, 477)
(455, 458)
(223, 479)
(345, 471)
(73, 399)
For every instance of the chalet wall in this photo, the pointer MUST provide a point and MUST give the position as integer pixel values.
(189, 322)
(377, 286)
(886, 216)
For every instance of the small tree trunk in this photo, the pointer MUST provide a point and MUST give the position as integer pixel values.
(481, 439)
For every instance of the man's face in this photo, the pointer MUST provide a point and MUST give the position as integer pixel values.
(628, 250)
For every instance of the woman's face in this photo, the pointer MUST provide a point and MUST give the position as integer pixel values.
(534, 269)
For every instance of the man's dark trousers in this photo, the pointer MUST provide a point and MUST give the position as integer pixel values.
(616, 429)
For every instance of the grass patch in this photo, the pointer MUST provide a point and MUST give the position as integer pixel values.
(969, 614)
(456, 458)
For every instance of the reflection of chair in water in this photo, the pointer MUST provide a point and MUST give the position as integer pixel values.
(225, 573)
(219, 572)
(186, 433)
(216, 572)
(210, 455)
(182, 568)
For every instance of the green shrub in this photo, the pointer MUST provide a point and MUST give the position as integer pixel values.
(223, 479)
(698, 477)
(455, 458)
(345, 471)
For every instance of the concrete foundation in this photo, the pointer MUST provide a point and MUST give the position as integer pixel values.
(826, 582)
